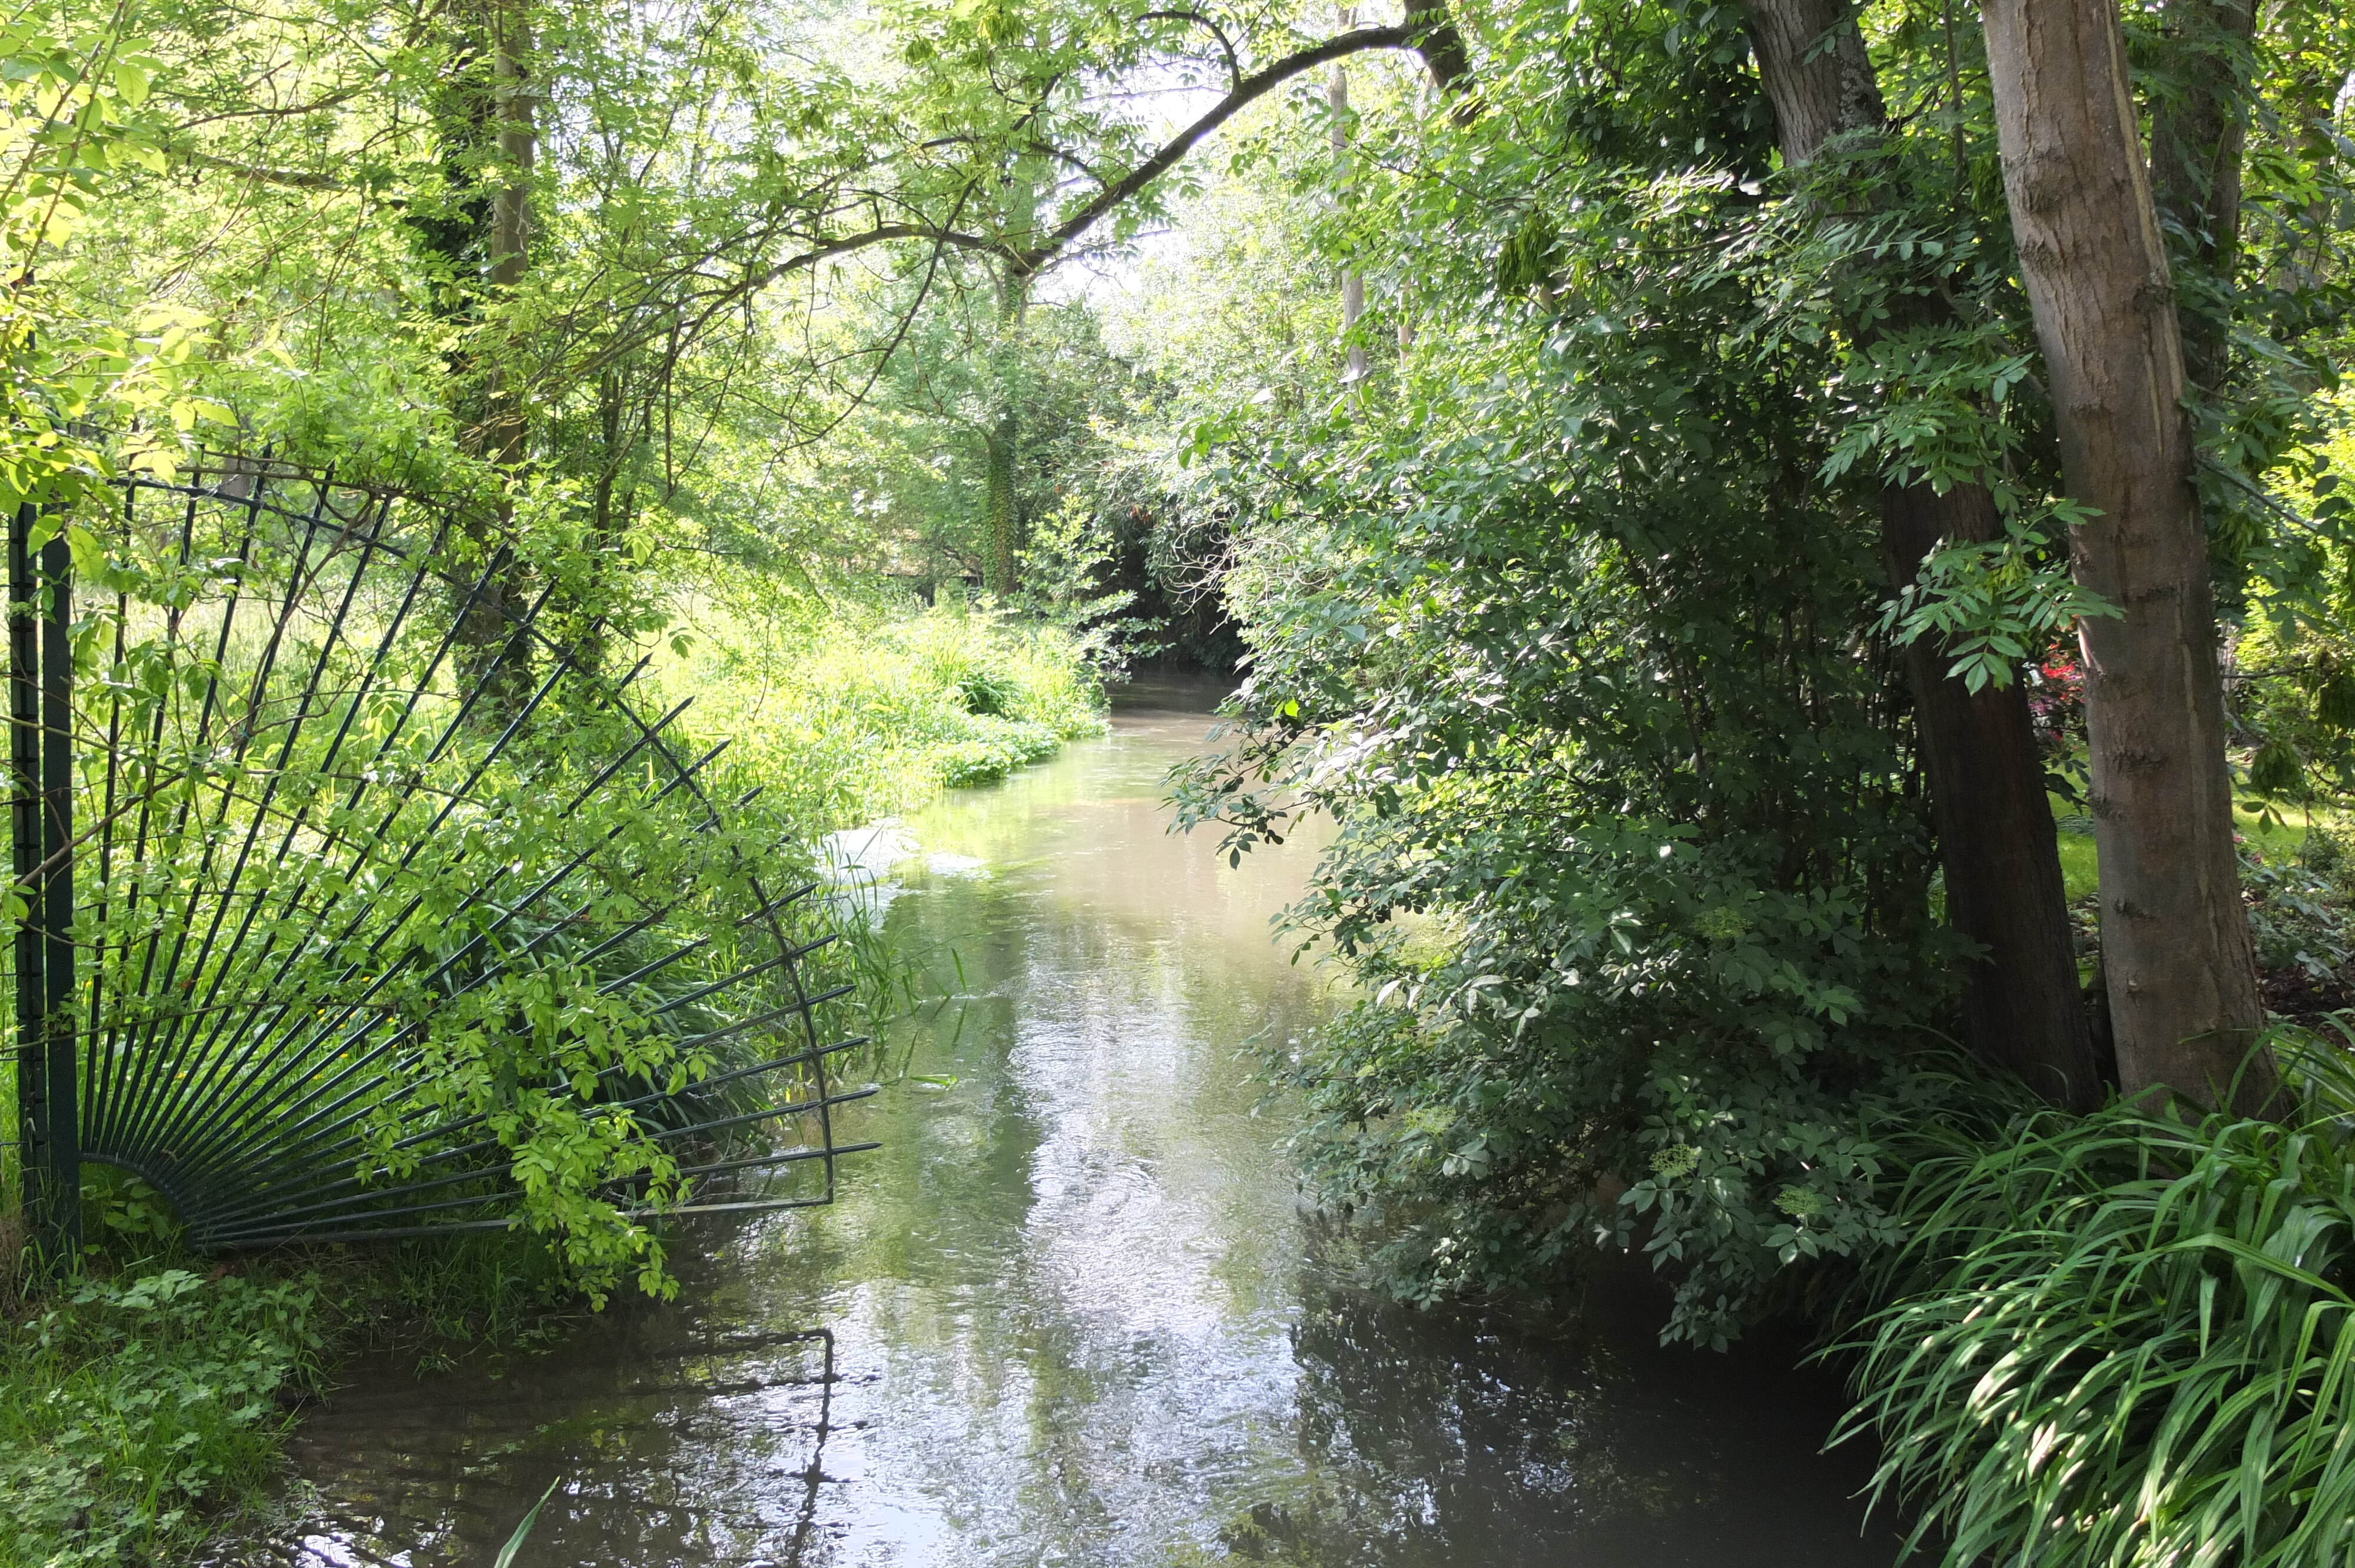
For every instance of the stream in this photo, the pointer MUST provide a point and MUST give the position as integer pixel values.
(1073, 1311)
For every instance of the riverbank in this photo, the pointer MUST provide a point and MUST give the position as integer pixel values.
(146, 1402)
(1074, 1308)
(855, 707)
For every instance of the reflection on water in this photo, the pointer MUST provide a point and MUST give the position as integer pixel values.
(1075, 1312)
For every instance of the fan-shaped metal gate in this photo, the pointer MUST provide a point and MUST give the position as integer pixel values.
(342, 876)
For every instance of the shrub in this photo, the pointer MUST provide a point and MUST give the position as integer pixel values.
(2296, 912)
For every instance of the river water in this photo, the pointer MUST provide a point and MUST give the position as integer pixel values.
(1072, 1311)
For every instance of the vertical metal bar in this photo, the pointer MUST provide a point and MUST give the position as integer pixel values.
(24, 845)
(64, 1152)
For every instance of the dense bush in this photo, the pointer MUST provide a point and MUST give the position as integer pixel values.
(1588, 668)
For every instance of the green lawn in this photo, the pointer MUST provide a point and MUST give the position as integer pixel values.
(2081, 865)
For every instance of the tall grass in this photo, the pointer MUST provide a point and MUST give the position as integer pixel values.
(852, 707)
(2125, 1340)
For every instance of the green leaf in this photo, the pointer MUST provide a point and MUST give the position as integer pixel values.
(506, 1556)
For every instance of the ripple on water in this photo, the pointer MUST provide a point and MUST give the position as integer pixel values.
(1075, 1312)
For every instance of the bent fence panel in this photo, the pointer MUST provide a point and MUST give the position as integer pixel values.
(342, 876)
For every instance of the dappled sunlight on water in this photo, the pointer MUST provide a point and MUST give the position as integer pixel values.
(1075, 1312)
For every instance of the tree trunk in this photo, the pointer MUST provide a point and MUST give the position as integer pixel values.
(507, 423)
(493, 654)
(1437, 40)
(2175, 935)
(2195, 158)
(1002, 577)
(2022, 1005)
(1353, 283)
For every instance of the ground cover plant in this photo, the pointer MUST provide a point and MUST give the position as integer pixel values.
(2124, 1337)
(146, 1399)
(130, 1405)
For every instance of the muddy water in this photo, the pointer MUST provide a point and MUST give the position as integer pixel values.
(1071, 1312)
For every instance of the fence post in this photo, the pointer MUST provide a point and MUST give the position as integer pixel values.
(63, 1177)
(41, 758)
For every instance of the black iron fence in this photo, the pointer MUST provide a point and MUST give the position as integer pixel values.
(317, 831)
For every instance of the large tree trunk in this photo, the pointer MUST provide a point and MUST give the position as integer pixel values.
(2021, 1006)
(1027, 181)
(2175, 936)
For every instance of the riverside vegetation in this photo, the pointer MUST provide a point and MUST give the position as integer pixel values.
(1696, 490)
(143, 1401)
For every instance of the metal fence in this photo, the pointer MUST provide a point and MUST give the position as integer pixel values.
(316, 780)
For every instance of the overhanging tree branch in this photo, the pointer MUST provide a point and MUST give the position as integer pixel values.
(1246, 92)
(1428, 31)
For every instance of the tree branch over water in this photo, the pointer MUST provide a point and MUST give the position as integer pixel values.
(1428, 31)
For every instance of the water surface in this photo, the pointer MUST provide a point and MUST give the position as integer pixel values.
(1073, 1311)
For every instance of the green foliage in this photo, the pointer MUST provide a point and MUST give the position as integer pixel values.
(2127, 1338)
(129, 1405)
(147, 1397)
(1579, 649)
(75, 122)
(2297, 907)
(850, 708)
(1571, 617)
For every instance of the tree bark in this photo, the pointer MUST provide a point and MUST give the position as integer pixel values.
(2175, 936)
(2022, 1005)
(1353, 283)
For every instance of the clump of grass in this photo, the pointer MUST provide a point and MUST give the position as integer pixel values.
(852, 708)
(2127, 1338)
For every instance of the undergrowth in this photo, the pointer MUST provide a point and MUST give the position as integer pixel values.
(2125, 1338)
(146, 1399)
(851, 708)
